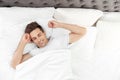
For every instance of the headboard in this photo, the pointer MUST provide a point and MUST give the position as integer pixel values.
(104, 5)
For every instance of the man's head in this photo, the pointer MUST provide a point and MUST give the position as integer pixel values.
(37, 34)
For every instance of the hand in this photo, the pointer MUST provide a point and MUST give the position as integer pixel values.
(53, 24)
(26, 38)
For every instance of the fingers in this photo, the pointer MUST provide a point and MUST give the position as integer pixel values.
(27, 37)
(51, 24)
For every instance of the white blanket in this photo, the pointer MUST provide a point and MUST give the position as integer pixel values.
(50, 65)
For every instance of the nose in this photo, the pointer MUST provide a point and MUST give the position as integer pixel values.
(39, 39)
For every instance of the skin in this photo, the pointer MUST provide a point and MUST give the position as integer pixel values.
(40, 39)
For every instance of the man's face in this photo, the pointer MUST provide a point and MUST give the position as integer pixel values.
(39, 37)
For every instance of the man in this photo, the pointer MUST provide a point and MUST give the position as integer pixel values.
(36, 34)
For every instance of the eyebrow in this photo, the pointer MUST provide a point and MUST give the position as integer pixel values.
(37, 35)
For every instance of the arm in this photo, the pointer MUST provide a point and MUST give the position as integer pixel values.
(18, 56)
(76, 31)
(26, 57)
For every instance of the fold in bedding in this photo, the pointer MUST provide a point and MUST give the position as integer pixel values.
(51, 65)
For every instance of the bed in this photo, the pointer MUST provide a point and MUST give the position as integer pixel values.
(94, 57)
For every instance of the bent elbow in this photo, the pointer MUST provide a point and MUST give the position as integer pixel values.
(14, 63)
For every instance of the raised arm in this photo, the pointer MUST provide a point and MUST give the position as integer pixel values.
(76, 31)
(18, 56)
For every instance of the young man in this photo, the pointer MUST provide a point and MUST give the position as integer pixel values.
(36, 34)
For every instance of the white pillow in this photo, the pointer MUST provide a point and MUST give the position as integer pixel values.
(83, 54)
(22, 14)
(108, 38)
(82, 17)
(17, 15)
(111, 16)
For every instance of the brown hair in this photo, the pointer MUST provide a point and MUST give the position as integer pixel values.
(32, 26)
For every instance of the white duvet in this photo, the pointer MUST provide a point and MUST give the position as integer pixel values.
(50, 65)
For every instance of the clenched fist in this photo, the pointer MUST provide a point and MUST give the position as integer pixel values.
(53, 24)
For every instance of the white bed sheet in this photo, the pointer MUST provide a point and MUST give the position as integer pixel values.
(50, 65)
(107, 48)
(6, 72)
(107, 65)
